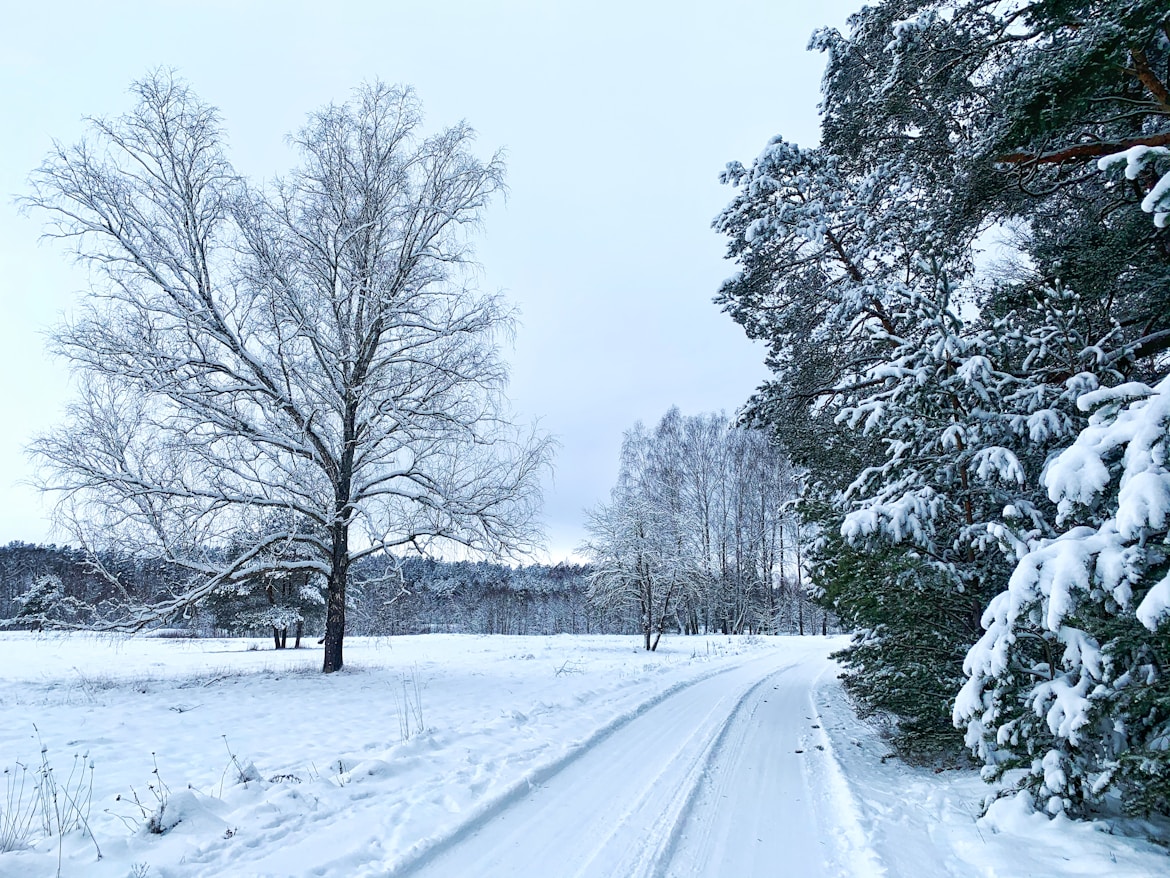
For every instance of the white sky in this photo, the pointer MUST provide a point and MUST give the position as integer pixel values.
(616, 118)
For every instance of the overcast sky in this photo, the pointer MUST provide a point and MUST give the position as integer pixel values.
(616, 119)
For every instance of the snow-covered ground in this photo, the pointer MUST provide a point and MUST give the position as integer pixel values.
(467, 756)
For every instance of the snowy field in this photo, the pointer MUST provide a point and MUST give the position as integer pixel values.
(467, 756)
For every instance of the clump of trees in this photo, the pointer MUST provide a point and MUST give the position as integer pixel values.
(52, 586)
(699, 534)
(309, 351)
(62, 585)
(965, 291)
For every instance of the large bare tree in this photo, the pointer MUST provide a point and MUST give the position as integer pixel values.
(312, 345)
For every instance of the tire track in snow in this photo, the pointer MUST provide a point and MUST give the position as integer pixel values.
(657, 731)
(771, 794)
(340, 816)
(633, 799)
(662, 835)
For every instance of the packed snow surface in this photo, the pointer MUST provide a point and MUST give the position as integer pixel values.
(449, 755)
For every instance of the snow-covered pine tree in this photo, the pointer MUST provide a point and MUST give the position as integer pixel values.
(1045, 90)
(281, 590)
(807, 283)
(942, 121)
(966, 432)
(1071, 680)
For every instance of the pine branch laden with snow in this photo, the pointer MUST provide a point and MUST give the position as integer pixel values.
(1144, 161)
(312, 348)
(1071, 680)
(965, 413)
(968, 413)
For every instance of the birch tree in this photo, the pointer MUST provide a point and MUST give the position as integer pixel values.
(642, 552)
(313, 346)
(691, 537)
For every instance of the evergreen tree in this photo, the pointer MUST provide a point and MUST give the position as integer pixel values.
(951, 128)
(1071, 680)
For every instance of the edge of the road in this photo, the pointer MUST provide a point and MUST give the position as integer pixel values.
(863, 859)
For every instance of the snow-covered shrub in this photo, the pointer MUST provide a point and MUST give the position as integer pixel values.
(1070, 680)
(153, 809)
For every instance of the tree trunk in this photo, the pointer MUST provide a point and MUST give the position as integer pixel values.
(271, 595)
(799, 582)
(334, 625)
(339, 551)
(335, 600)
(647, 612)
(300, 631)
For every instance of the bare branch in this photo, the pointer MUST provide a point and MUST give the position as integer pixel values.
(1083, 151)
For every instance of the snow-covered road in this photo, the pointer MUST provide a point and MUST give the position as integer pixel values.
(493, 757)
(729, 776)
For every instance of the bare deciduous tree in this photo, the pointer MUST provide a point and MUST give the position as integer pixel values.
(311, 346)
(693, 535)
(643, 543)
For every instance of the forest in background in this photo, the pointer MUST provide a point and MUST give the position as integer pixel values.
(410, 595)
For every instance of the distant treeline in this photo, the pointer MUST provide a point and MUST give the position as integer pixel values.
(62, 578)
(388, 596)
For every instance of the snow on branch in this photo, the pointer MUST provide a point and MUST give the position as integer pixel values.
(1139, 159)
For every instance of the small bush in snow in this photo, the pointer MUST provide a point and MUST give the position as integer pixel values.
(153, 810)
(409, 705)
(243, 772)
